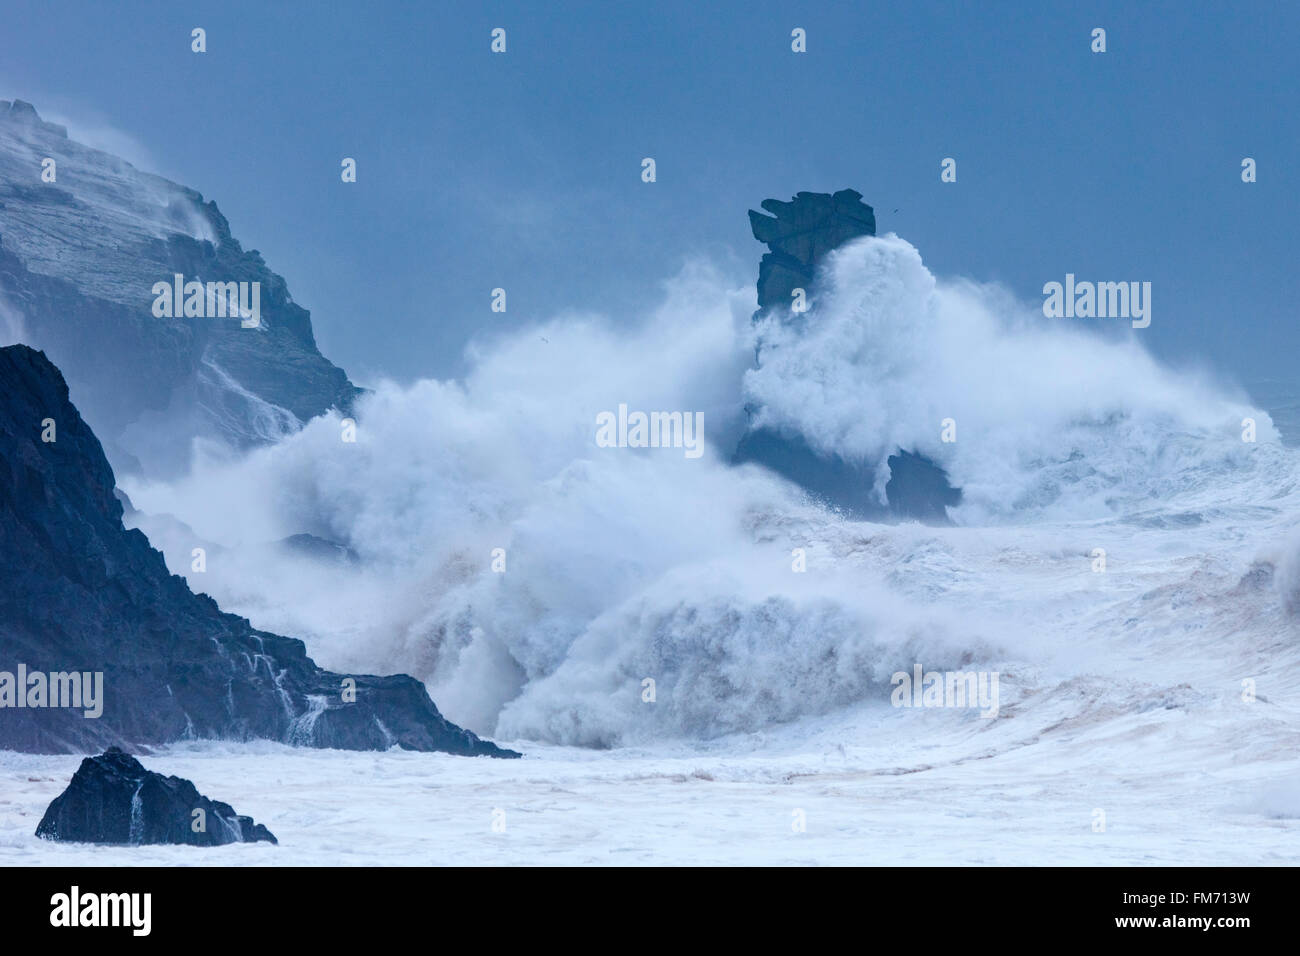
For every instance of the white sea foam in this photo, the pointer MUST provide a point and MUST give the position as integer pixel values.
(623, 564)
(1049, 416)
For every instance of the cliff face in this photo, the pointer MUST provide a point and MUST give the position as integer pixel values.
(79, 258)
(799, 234)
(80, 593)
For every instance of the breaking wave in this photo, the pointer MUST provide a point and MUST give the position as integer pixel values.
(619, 565)
(1047, 417)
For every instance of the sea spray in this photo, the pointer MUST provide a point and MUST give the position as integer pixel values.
(626, 565)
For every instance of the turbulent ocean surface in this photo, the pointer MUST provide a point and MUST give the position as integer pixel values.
(1121, 557)
(1281, 397)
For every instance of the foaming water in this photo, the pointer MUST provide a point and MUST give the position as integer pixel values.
(536, 581)
(1049, 419)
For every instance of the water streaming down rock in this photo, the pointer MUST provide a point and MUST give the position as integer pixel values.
(113, 799)
(301, 730)
(136, 834)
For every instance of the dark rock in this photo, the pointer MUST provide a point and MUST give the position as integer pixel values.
(81, 593)
(919, 489)
(799, 235)
(828, 478)
(113, 799)
(128, 508)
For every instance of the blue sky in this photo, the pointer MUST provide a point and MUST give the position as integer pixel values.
(522, 170)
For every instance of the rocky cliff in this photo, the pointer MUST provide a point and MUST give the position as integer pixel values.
(79, 258)
(81, 595)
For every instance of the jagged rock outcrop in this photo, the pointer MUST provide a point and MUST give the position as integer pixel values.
(113, 799)
(799, 235)
(81, 594)
(79, 258)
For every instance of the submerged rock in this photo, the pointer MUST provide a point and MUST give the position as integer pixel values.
(799, 235)
(320, 549)
(85, 598)
(112, 798)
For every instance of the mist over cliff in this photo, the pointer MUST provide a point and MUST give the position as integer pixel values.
(84, 239)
